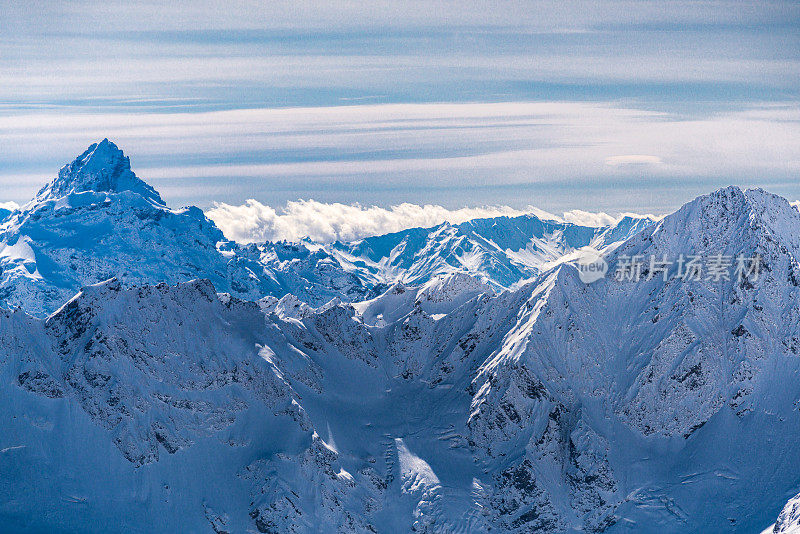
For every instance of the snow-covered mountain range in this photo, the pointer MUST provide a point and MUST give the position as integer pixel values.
(98, 220)
(463, 378)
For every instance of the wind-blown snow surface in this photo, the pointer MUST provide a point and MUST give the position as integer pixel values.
(97, 220)
(445, 406)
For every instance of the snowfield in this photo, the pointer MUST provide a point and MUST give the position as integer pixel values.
(158, 377)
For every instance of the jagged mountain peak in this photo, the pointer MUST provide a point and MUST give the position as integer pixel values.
(728, 221)
(733, 201)
(102, 167)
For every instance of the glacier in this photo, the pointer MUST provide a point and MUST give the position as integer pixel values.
(462, 378)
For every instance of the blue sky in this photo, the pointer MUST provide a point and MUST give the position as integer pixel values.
(611, 106)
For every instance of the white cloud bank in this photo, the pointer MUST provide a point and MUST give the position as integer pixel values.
(325, 223)
(9, 206)
(6, 207)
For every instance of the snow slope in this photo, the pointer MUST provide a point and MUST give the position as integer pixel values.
(447, 407)
(463, 379)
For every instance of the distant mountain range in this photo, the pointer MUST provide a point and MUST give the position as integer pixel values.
(454, 379)
(98, 220)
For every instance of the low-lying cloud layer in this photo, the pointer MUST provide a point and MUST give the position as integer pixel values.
(325, 223)
(9, 206)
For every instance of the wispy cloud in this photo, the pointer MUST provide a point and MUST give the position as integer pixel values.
(200, 55)
(633, 159)
(564, 104)
(392, 153)
(87, 15)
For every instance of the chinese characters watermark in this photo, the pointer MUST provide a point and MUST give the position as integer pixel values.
(690, 267)
(713, 268)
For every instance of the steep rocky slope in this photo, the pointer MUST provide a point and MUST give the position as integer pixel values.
(789, 519)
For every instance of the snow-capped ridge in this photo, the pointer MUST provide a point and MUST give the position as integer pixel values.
(729, 221)
(98, 199)
(103, 167)
(437, 297)
(445, 293)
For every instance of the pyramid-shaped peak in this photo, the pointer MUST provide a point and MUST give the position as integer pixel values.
(103, 167)
(729, 221)
(104, 151)
(733, 201)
